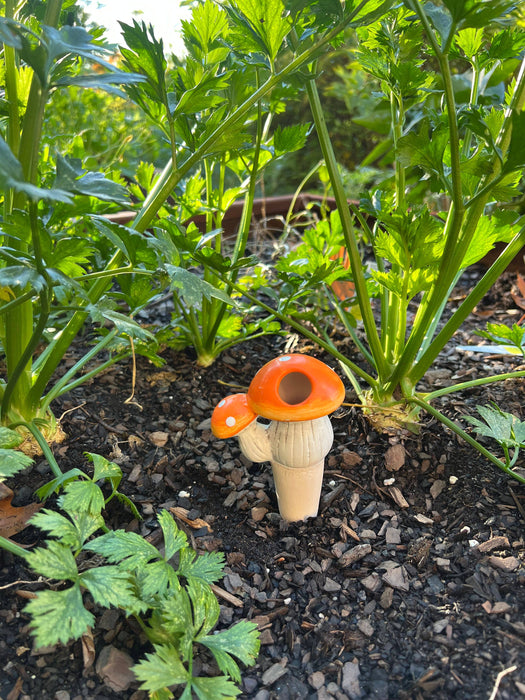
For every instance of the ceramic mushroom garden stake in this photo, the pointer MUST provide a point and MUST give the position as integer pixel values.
(296, 392)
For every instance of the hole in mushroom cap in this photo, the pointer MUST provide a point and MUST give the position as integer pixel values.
(295, 388)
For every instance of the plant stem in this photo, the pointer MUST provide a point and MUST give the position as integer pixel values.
(20, 339)
(466, 307)
(308, 334)
(348, 230)
(57, 389)
(472, 383)
(243, 233)
(40, 439)
(99, 369)
(11, 92)
(12, 547)
(342, 315)
(455, 247)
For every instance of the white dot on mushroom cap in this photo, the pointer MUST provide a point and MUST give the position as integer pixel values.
(221, 403)
(230, 421)
(285, 358)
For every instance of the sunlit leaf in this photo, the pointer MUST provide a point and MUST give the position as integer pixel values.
(161, 669)
(193, 288)
(12, 462)
(174, 538)
(58, 616)
(55, 561)
(82, 496)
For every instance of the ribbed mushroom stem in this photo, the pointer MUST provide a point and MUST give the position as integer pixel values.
(254, 443)
(300, 443)
(298, 452)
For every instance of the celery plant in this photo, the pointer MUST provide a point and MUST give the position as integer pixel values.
(41, 265)
(234, 63)
(43, 257)
(463, 150)
(418, 254)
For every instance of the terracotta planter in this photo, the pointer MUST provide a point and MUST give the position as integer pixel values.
(272, 210)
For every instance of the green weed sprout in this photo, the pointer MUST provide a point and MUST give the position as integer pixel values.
(505, 428)
(167, 591)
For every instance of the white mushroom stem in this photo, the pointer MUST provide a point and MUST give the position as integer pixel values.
(296, 450)
(254, 442)
(298, 490)
(298, 444)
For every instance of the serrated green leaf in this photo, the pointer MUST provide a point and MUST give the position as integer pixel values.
(241, 640)
(104, 469)
(177, 614)
(200, 96)
(290, 138)
(264, 25)
(161, 669)
(155, 578)
(72, 533)
(227, 664)
(9, 439)
(109, 586)
(21, 276)
(54, 561)
(498, 424)
(66, 254)
(82, 497)
(58, 616)
(470, 41)
(174, 538)
(230, 326)
(502, 334)
(124, 324)
(207, 566)
(422, 150)
(71, 177)
(205, 606)
(208, 24)
(144, 54)
(55, 484)
(56, 525)
(126, 547)
(490, 230)
(216, 688)
(12, 462)
(193, 288)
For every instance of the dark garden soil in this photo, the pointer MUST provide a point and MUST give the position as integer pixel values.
(409, 583)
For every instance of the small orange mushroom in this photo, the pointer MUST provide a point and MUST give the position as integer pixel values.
(231, 416)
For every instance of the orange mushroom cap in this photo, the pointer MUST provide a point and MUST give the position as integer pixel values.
(295, 388)
(231, 415)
